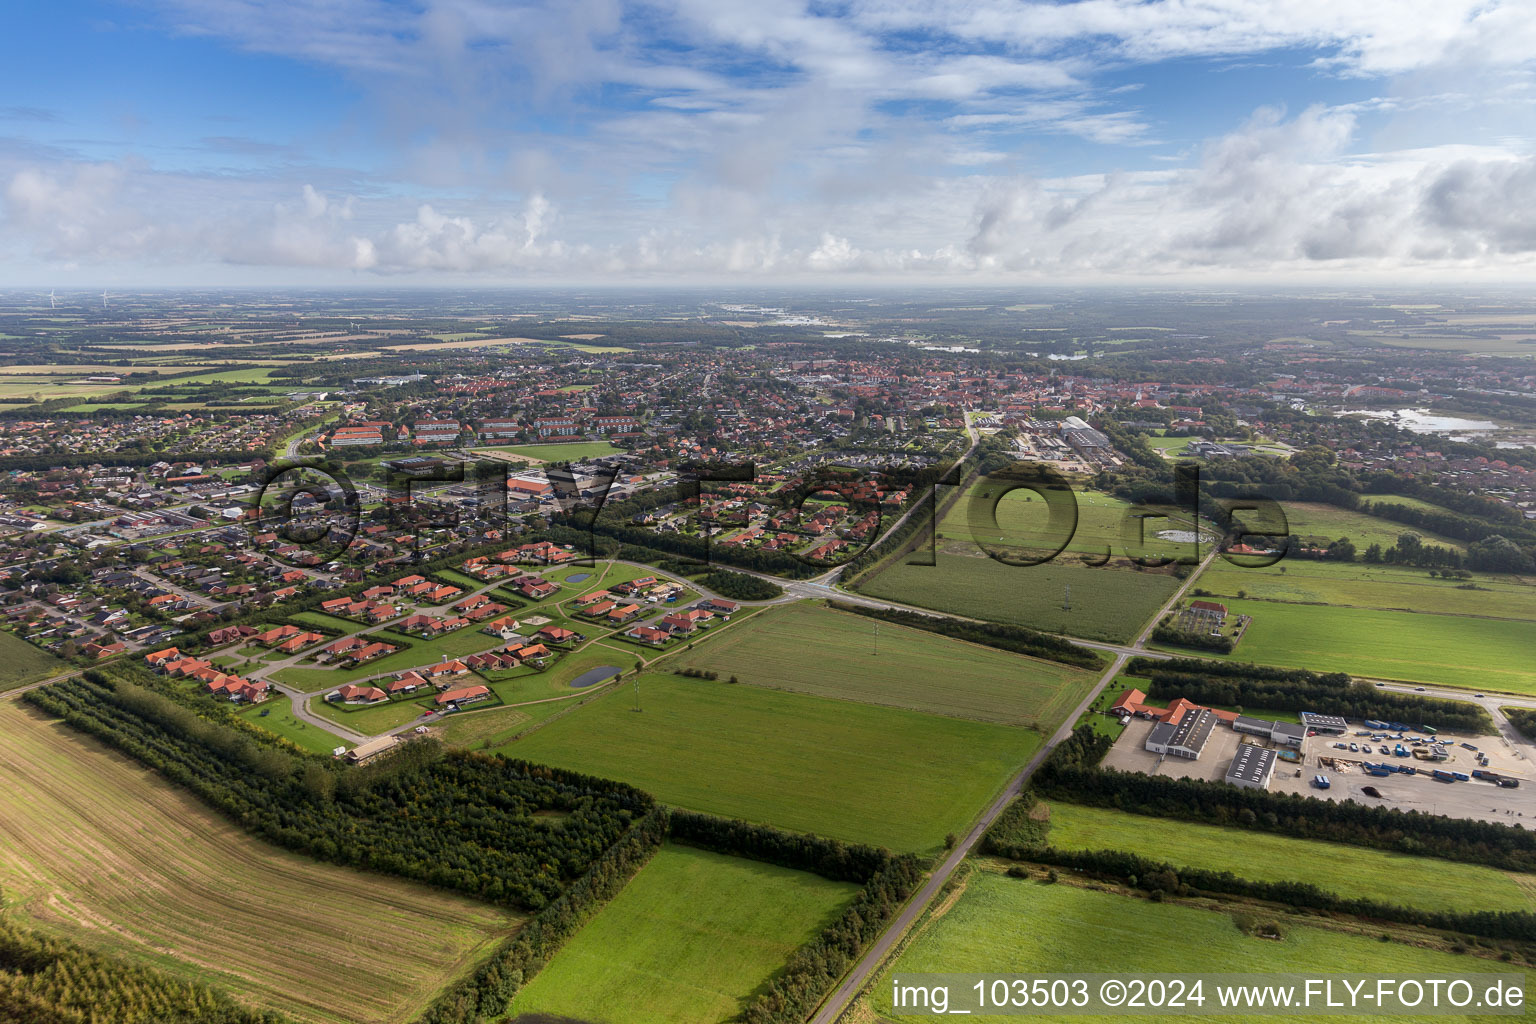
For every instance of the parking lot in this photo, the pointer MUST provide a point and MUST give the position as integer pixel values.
(1476, 799)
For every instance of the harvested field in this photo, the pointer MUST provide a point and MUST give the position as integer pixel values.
(106, 853)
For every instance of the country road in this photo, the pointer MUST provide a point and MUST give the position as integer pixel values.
(843, 996)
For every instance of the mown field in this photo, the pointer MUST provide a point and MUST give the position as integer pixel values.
(812, 649)
(1347, 870)
(687, 941)
(1023, 519)
(1009, 925)
(1108, 603)
(1315, 519)
(279, 719)
(885, 776)
(107, 854)
(22, 663)
(556, 452)
(1373, 586)
(1498, 654)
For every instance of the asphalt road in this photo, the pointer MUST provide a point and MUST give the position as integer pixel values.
(843, 996)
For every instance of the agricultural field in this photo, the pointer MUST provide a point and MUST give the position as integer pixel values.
(1023, 517)
(1455, 650)
(106, 853)
(1354, 584)
(1107, 603)
(690, 938)
(812, 649)
(1075, 930)
(1314, 519)
(22, 663)
(1347, 870)
(883, 776)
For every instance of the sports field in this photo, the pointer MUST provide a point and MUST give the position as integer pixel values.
(569, 452)
(106, 853)
(1347, 870)
(688, 940)
(884, 776)
(1107, 603)
(812, 649)
(1455, 650)
(1046, 929)
(21, 663)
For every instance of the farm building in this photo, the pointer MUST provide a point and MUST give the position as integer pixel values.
(1252, 768)
(1184, 737)
(365, 752)
(1324, 723)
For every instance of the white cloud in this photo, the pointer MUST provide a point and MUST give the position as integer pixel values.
(1278, 194)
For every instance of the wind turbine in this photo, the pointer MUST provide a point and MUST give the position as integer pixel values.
(51, 303)
(103, 298)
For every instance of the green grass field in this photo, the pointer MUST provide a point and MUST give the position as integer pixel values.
(869, 774)
(280, 720)
(25, 663)
(691, 937)
(1307, 519)
(557, 452)
(812, 649)
(1108, 603)
(1498, 654)
(1023, 517)
(1373, 586)
(1347, 870)
(1006, 925)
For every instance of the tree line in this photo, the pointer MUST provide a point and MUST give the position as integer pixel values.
(44, 980)
(1017, 639)
(1022, 834)
(811, 972)
(488, 992)
(1228, 684)
(1075, 777)
(456, 820)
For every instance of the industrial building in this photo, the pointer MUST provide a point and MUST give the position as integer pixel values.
(1324, 723)
(1252, 768)
(1185, 737)
(1288, 733)
(1077, 433)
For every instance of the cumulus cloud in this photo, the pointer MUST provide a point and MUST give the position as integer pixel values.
(1277, 193)
(589, 138)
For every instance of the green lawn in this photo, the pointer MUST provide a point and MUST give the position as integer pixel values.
(25, 663)
(691, 937)
(376, 718)
(1347, 870)
(1373, 586)
(1455, 650)
(869, 774)
(812, 649)
(1309, 519)
(558, 452)
(280, 720)
(1007, 925)
(1107, 603)
(1023, 521)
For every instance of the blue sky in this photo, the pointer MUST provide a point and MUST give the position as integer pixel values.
(334, 141)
